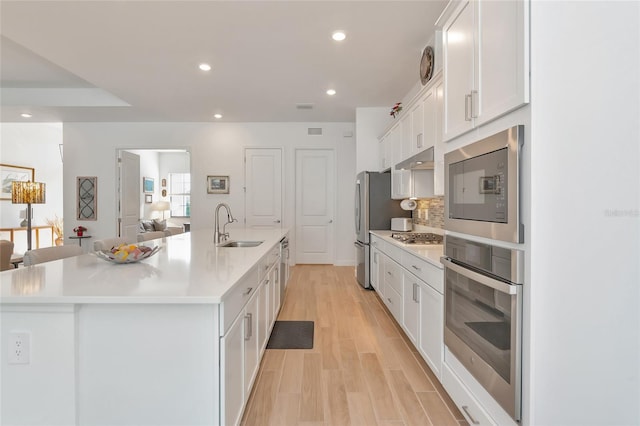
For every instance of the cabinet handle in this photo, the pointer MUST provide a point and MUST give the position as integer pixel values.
(248, 328)
(390, 301)
(467, 115)
(390, 274)
(416, 268)
(248, 291)
(466, 410)
(419, 140)
(474, 100)
(266, 282)
(415, 294)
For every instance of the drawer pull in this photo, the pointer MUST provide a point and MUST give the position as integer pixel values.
(466, 410)
(248, 291)
(390, 301)
(389, 272)
(416, 268)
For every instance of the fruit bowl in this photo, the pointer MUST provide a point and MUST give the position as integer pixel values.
(127, 253)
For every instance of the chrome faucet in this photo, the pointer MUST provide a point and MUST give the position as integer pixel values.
(217, 236)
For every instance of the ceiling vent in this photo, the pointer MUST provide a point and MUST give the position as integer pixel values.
(304, 106)
(315, 131)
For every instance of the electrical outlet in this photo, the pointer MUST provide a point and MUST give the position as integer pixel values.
(19, 347)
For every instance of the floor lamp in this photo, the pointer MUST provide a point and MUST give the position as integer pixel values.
(28, 193)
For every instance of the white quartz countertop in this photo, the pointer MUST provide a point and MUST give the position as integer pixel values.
(431, 253)
(189, 268)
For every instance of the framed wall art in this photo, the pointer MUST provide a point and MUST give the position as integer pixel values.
(9, 173)
(217, 184)
(87, 198)
(147, 185)
(148, 198)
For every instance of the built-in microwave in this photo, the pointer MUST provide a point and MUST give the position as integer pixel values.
(482, 181)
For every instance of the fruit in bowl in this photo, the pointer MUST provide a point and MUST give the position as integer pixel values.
(128, 253)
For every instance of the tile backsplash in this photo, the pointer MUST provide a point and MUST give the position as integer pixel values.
(430, 212)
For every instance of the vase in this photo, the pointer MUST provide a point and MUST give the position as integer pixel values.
(59, 241)
(79, 233)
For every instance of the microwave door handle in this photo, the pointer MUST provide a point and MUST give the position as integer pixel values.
(482, 279)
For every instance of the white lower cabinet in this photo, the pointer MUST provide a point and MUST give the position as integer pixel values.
(411, 306)
(430, 342)
(469, 406)
(232, 389)
(251, 348)
(250, 309)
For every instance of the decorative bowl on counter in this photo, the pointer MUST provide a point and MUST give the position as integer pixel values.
(127, 253)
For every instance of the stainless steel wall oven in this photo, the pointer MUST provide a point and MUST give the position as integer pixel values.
(482, 182)
(483, 316)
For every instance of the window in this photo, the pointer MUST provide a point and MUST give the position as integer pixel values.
(180, 194)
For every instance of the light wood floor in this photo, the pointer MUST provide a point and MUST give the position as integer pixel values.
(362, 369)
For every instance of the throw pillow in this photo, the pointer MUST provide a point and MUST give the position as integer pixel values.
(159, 225)
(147, 225)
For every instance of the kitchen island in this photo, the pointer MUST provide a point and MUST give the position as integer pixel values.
(174, 339)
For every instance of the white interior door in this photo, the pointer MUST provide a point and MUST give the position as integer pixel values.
(263, 190)
(129, 203)
(315, 189)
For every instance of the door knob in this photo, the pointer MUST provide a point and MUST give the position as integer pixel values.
(331, 221)
(276, 221)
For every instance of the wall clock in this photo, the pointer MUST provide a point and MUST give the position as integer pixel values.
(426, 65)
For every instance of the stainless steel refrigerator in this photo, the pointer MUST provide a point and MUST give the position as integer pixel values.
(373, 211)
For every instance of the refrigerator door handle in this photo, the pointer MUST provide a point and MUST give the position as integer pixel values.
(357, 217)
(358, 244)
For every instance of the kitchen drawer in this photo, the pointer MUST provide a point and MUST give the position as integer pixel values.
(468, 405)
(268, 260)
(234, 301)
(393, 300)
(393, 275)
(394, 252)
(377, 242)
(424, 270)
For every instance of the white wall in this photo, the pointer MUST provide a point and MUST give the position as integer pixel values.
(34, 145)
(370, 123)
(585, 213)
(216, 149)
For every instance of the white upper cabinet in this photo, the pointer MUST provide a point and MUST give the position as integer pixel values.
(486, 68)
(417, 126)
(458, 54)
(438, 151)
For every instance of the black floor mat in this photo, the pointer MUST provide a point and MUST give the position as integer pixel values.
(291, 335)
(496, 333)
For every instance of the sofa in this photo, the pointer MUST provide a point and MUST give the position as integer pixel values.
(152, 225)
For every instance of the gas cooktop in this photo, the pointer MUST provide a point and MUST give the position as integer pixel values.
(417, 237)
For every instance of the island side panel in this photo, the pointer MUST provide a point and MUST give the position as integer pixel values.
(148, 364)
(42, 391)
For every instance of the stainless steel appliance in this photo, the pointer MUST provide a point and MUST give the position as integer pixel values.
(284, 266)
(401, 223)
(426, 238)
(483, 315)
(482, 182)
(374, 209)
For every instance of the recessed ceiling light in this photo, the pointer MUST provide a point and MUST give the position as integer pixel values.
(331, 92)
(26, 115)
(205, 67)
(217, 115)
(338, 36)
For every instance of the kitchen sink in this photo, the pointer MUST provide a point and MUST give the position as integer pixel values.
(241, 244)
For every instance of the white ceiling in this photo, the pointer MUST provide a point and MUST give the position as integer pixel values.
(138, 60)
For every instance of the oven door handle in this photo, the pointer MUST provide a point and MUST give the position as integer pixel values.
(482, 279)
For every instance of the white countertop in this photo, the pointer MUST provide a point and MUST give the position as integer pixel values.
(431, 253)
(189, 268)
